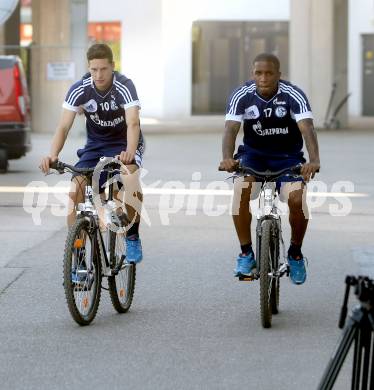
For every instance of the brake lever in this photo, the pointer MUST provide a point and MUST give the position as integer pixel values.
(51, 172)
(234, 176)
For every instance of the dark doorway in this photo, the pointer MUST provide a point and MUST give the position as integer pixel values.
(221, 56)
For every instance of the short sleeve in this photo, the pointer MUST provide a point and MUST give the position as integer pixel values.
(300, 107)
(127, 93)
(74, 97)
(236, 105)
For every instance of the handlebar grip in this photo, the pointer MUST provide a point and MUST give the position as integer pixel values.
(57, 165)
(236, 167)
(54, 164)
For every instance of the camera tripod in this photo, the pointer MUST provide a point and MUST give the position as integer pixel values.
(359, 329)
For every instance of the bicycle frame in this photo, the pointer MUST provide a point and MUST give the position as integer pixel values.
(268, 241)
(267, 209)
(87, 210)
(84, 270)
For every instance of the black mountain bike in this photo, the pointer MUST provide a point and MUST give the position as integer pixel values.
(91, 255)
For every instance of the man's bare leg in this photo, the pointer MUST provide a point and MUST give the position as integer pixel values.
(132, 197)
(76, 195)
(296, 195)
(242, 218)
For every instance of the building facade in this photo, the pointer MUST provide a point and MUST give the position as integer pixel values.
(186, 56)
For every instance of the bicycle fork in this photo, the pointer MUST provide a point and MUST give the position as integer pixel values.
(283, 268)
(105, 256)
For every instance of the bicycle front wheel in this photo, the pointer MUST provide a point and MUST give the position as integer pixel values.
(82, 273)
(265, 268)
(275, 288)
(122, 285)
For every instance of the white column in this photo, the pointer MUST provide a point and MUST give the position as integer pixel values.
(142, 53)
(1, 38)
(318, 38)
(78, 36)
(55, 31)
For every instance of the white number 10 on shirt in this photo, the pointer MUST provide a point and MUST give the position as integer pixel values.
(104, 106)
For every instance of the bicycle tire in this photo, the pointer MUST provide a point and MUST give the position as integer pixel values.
(82, 298)
(275, 288)
(265, 279)
(121, 286)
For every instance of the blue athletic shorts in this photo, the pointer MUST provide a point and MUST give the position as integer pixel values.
(263, 162)
(90, 156)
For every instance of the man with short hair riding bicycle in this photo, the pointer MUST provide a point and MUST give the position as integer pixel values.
(276, 117)
(111, 106)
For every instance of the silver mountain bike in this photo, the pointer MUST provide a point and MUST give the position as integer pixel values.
(271, 257)
(91, 255)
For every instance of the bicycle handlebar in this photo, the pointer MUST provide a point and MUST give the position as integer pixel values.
(295, 170)
(62, 167)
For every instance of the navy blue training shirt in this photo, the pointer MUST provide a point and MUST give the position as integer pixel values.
(104, 111)
(270, 126)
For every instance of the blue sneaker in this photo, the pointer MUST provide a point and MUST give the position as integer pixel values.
(297, 270)
(134, 252)
(245, 265)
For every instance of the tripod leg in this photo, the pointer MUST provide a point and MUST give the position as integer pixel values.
(366, 349)
(357, 358)
(336, 362)
(372, 363)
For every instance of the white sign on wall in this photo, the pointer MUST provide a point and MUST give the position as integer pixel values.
(60, 71)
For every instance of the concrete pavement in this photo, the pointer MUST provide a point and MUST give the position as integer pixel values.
(192, 326)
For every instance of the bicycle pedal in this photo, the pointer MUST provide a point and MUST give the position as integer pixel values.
(245, 278)
(81, 288)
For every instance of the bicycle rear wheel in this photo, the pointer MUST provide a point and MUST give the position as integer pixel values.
(122, 285)
(82, 273)
(265, 268)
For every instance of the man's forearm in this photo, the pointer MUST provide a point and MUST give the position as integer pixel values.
(58, 142)
(311, 144)
(228, 142)
(309, 134)
(62, 131)
(228, 145)
(133, 133)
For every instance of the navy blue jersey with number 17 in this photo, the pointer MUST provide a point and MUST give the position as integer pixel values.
(270, 126)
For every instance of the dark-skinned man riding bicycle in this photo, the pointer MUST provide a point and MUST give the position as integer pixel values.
(277, 119)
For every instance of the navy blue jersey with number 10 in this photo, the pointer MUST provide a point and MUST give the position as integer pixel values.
(270, 126)
(104, 112)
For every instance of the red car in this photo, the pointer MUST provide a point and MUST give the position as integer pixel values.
(15, 116)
